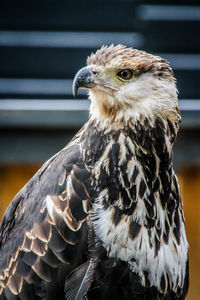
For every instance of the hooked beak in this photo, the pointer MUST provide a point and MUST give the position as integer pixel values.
(85, 78)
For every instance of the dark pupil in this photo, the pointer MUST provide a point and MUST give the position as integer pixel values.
(125, 74)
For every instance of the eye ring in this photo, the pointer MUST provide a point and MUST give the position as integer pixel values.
(125, 74)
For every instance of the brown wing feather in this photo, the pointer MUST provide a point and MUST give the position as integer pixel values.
(44, 227)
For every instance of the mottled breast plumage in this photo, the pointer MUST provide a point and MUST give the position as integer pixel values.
(138, 213)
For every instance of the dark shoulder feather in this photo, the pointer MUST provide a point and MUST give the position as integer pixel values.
(44, 225)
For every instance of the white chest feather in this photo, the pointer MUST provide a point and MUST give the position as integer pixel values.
(140, 252)
(132, 238)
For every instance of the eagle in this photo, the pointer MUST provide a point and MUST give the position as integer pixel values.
(103, 218)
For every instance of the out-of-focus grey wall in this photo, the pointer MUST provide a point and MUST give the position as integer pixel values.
(44, 43)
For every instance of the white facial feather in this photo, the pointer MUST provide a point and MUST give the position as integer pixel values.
(143, 96)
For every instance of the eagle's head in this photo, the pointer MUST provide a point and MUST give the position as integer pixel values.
(126, 83)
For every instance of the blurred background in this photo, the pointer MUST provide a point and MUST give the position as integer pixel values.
(44, 43)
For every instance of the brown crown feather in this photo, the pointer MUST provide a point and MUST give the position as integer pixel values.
(139, 61)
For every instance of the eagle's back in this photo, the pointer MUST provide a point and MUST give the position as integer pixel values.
(43, 234)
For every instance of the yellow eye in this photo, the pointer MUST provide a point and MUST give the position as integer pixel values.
(125, 74)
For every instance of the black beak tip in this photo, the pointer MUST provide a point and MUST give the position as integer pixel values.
(83, 79)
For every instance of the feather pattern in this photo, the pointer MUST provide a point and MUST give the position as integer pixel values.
(79, 281)
(50, 227)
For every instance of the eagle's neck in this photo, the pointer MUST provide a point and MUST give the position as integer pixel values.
(138, 212)
(145, 146)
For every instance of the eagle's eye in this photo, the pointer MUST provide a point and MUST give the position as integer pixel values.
(125, 74)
